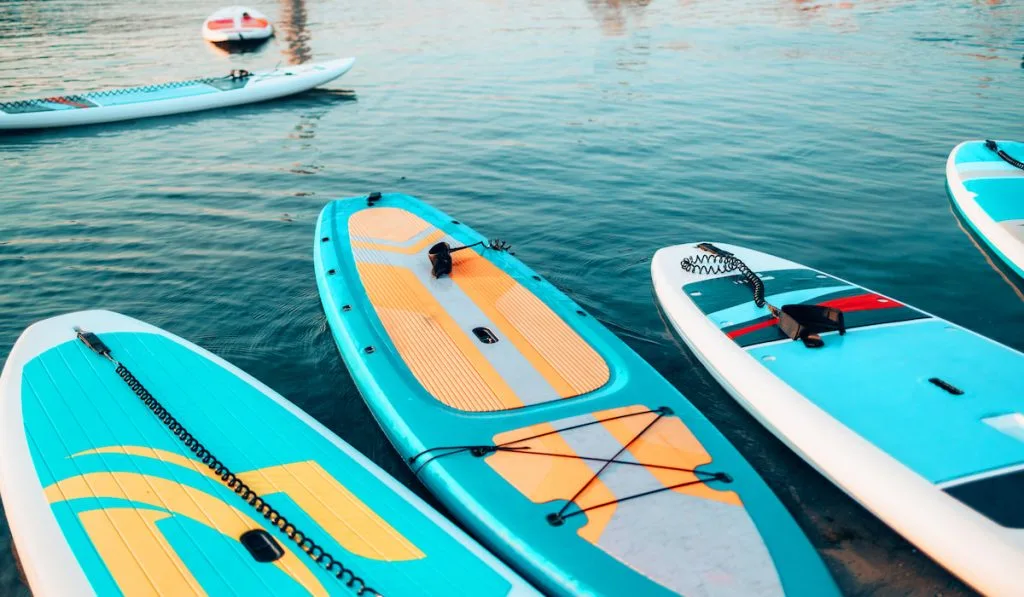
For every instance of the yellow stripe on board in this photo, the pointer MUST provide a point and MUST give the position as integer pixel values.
(346, 518)
(440, 354)
(137, 553)
(177, 498)
(154, 453)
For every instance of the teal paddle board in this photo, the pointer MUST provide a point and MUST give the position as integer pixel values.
(133, 462)
(916, 418)
(985, 180)
(537, 428)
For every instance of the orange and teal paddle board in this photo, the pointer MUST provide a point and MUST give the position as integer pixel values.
(539, 430)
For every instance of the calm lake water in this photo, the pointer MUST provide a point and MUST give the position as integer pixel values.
(586, 132)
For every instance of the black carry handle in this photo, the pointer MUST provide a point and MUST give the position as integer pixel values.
(440, 255)
(807, 322)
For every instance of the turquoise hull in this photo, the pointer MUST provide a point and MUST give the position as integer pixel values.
(117, 503)
(481, 489)
(987, 195)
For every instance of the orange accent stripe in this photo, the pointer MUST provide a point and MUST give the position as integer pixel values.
(430, 239)
(543, 479)
(668, 442)
(439, 353)
(386, 223)
(345, 517)
(556, 351)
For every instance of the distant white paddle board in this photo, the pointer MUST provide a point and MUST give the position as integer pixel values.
(237, 23)
(168, 98)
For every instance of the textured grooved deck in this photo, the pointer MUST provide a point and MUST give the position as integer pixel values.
(428, 322)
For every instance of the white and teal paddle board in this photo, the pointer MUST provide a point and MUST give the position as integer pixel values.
(538, 429)
(985, 180)
(103, 498)
(177, 97)
(916, 418)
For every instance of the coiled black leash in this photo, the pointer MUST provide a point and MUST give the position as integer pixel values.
(798, 322)
(313, 549)
(1009, 159)
(717, 261)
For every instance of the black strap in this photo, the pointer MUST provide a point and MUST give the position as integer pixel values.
(221, 470)
(993, 146)
(440, 255)
(807, 322)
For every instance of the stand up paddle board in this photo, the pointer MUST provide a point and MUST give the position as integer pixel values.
(239, 87)
(237, 24)
(133, 462)
(538, 429)
(918, 419)
(985, 180)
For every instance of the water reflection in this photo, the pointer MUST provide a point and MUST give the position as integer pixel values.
(292, 26)
(615, 16)
(238, 47)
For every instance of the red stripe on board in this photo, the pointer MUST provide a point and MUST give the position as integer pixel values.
(66, 102)
(753, 328)
(860, 302)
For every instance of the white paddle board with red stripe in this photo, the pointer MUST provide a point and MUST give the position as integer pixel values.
(237, 23)
(918, 419)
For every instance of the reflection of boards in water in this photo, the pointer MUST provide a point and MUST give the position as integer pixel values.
(168, 98)
(235, 24)
(570, 456)
(294, 31)
(102, 495)
(918, 419)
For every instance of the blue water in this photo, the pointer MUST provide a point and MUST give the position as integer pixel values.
(586, 132)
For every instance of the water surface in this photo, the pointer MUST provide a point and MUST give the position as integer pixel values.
(588, 133)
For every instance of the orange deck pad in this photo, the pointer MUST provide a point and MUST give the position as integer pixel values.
(565, 359)
(439, 354)
(445, 358)
(544, 478)
(667, 442)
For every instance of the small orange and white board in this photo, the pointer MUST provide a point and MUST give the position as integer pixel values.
(237, 23)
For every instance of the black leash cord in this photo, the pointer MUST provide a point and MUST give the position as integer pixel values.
(1009, 159)
(719, 261)
(313, 549)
